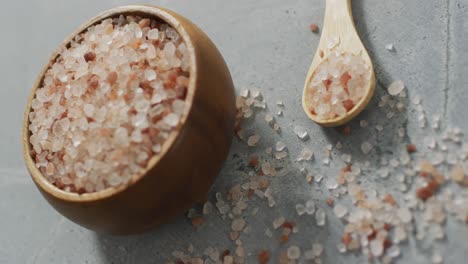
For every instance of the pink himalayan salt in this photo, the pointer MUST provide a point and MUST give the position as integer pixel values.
(337, 85)
(108, 103)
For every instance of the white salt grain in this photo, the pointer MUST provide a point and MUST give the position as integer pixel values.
(404, 214)
(301, 132)
(294, 252)
(320, 217)
(253, 140)
(306, 154)
(390, 47)
(396, 87)
(310, 207)
(280, 146)
(300, 209)
(238, 224)
(366, 147)
(376, 247)
(331, 184)
(278, 222)
(269, 118)
(340, 211)
(244, 92)
(437, 258)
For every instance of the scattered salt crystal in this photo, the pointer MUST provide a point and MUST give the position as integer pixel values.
(253, 140)
(401, 132)
(310, 207)
(320, 217)
(458, 173)
(376, 247)
(404, 214)
(379, 128)
(207, 208)
(430, 142)
(331, 184)
(399, 234)
(317, 249)
(318, 178)
(341, 247)
(309, 255)
(416, 100)
(300, 209)
(340, 211)
(244, 92)
(269, 118)
(396, 87)
(278, 222)
(276, 127)
(301, 132)
(390, 47)
(280, 103)
(294, 252)
(366, 147)
(393, 251)
(346, 158)
(239, 252)
(255, 93)
(281, 155)
(238, 224)
(280, 146)
(436, 258)
(384, 173)
(279, 113)
(306, 154)
(339, 145)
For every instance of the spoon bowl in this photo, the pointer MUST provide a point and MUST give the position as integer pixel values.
(338, 35)
(189, 160)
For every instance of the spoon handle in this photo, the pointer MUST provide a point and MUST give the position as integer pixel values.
(339, 30)
(338, 15)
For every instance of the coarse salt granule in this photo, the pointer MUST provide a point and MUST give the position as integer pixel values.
(338, 85)
(108, 103)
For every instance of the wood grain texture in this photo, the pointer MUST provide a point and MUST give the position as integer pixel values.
(339, 23)
(189, 161)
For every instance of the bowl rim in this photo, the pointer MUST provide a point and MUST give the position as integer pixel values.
(146, 11)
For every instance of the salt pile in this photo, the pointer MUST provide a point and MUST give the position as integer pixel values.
(108, 103)
(338, 85)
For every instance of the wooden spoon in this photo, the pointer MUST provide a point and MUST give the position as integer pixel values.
(189, 160)
(340, 31)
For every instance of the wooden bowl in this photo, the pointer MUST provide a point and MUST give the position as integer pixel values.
(189, 161)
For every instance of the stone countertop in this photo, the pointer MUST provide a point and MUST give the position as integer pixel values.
(266, 44)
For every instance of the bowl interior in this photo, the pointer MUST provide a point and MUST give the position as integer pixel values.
(159, 14)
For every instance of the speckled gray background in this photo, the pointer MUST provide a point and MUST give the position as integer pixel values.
(267, 44)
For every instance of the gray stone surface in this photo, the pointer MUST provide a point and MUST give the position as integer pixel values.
(267, 44)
